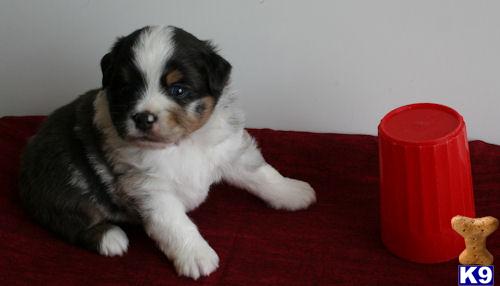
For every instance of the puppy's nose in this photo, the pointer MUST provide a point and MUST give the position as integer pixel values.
(144, 120)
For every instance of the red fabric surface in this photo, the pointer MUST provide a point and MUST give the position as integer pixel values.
(335, 242)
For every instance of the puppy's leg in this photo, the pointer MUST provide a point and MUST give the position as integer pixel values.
(177, 236)
(251, 172)
(81, 228)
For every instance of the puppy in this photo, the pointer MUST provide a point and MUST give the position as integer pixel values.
(145, 148)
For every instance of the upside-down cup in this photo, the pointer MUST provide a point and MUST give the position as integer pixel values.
(425, 180)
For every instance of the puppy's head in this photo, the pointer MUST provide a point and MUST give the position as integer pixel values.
(162, 84)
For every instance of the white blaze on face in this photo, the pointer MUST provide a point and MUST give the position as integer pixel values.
(152, 50)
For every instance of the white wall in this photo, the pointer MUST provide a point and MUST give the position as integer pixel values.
(335, 66)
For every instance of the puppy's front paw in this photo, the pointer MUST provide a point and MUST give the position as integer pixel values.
(196, 259)
(294, 195)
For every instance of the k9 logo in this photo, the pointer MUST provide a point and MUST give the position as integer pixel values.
(469, 275)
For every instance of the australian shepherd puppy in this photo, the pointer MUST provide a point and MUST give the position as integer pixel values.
(145, 148)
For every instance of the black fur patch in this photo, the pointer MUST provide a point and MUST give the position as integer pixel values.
(205, 72)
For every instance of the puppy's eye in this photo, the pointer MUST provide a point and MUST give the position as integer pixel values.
(178, 91)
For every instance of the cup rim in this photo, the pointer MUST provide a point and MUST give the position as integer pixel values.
(421, 105)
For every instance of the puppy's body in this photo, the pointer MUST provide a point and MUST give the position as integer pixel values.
(146, 148)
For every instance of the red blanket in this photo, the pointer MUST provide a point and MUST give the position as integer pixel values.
(336, 241)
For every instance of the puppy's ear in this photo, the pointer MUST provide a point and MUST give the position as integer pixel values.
(106, 68)
(108, 61)
(215, 69)
(218, 71)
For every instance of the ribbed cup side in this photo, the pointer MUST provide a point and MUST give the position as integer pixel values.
(421, 188)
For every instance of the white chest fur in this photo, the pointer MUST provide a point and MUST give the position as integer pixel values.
(187, 169)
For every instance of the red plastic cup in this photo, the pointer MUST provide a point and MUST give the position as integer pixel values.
(425, 180)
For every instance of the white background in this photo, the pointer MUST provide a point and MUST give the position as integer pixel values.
(328, 66)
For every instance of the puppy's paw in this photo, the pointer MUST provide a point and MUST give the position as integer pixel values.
(196, 259)
(114, 242)
(294, 195)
